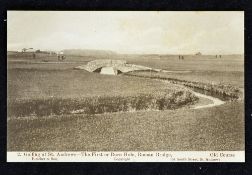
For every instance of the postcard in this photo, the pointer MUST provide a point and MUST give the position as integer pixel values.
(125, 86)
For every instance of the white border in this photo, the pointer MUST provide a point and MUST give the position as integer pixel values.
(128, 156)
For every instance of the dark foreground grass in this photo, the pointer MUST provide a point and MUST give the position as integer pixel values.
(219, 128)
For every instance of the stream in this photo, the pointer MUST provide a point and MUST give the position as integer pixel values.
(216, 99)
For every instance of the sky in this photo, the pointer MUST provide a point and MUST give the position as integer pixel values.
(153, 32)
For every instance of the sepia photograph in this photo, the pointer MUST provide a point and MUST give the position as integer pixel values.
(129, 85)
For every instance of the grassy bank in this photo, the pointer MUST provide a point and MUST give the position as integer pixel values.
(170, 99)
(227, 92)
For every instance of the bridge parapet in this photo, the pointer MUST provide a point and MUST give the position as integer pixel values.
(95, 64)
(120, 65)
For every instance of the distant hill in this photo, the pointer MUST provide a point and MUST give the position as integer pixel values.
(88, 52)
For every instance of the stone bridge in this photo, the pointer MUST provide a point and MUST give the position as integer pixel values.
(121, 65)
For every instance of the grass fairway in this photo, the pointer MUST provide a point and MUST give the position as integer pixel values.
(219, 129)
(228, 63)
(207, 69)
(216, 128)
(37, 83)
